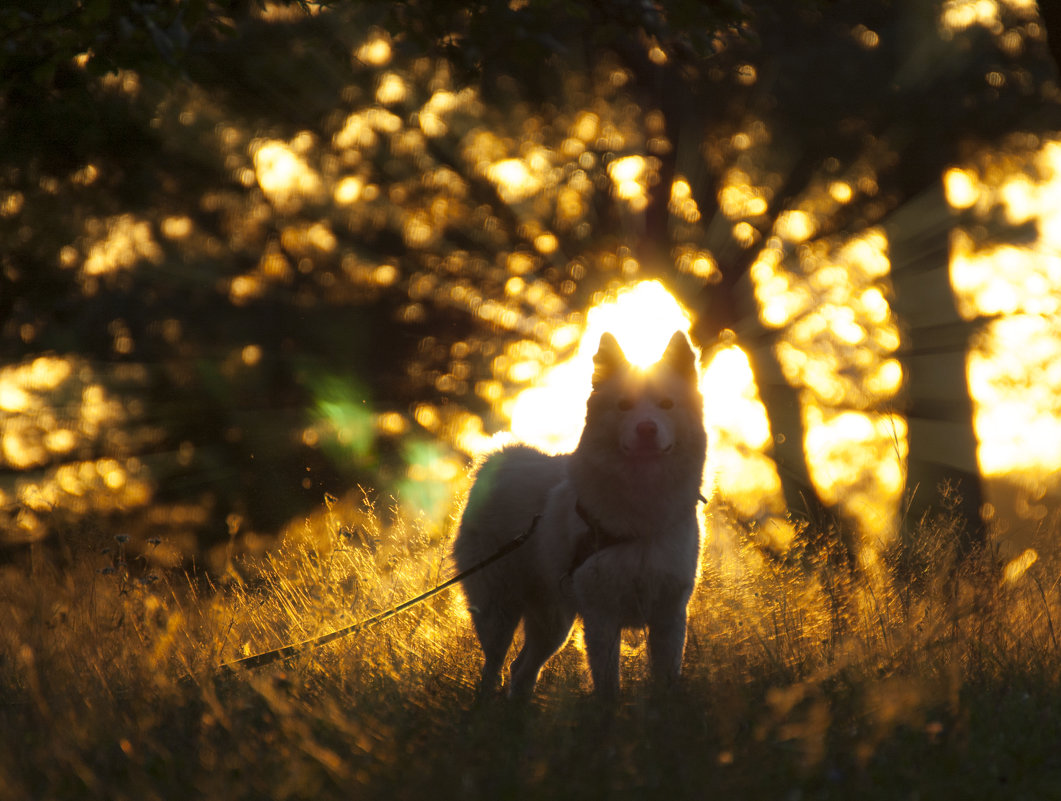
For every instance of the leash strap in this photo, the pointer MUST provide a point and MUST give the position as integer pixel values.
(288, 651)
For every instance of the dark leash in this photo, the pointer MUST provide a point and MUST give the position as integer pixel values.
(595, 540)
(288, 651)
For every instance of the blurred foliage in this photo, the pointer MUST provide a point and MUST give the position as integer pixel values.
(535, 43)
(160, 235)
(323, 246)
(42, 39)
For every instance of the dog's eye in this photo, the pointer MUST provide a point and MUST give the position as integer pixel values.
(625, 404)
(666, 403)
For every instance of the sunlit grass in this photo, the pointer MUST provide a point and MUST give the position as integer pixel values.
(793, 680)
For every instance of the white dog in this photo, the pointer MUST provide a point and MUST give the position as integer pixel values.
(617, 537)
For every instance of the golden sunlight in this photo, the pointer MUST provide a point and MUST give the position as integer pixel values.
(868, 485)
(1017, 567)
(795, 226)
(514, 179)
(682, 202)
(957, 15)
(960, 14)
(376, 52)
(738, 464)
(642, 318)
(120, 243)
(391, 90)
(630, 175)
(1013, 371)
(550, 414)
(839, 337)
(283, 174)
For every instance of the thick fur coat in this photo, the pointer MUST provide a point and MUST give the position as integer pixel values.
(617, 539)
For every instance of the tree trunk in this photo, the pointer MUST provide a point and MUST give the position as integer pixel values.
(943, 478)
(731, 303)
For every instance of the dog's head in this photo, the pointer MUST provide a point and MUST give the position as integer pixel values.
(645, 413)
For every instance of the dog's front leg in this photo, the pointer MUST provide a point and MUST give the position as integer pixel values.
(602, 636)
(666, 644)
(600, 603)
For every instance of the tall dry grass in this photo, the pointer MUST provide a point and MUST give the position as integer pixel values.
(801, 680)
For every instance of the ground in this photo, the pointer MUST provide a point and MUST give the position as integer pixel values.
(800, 682)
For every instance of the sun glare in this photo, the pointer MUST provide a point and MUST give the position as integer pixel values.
(1013, 371)
(839, 346)
(739, 466)
(550, 414)
(643, 318)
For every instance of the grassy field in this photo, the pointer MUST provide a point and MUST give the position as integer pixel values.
(799, 683)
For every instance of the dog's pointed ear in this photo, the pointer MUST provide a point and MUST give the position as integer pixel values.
(680, 356)
(608, 360)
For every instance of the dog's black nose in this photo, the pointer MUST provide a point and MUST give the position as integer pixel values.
(646, 430)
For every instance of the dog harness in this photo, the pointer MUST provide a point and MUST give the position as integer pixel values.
(593, 541)
(597, 538)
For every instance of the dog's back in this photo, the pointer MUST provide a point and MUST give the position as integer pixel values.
(509, 490)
